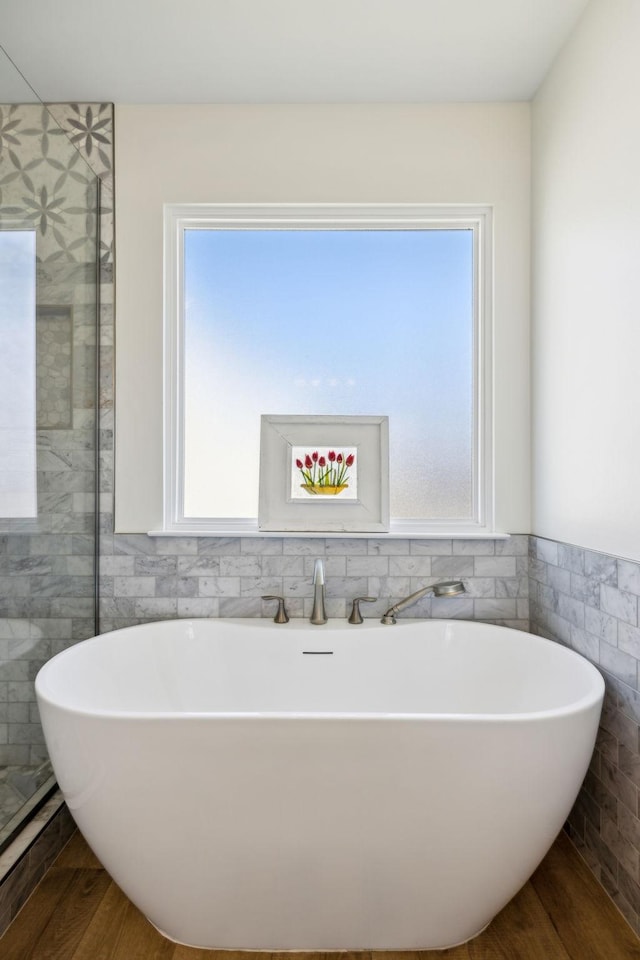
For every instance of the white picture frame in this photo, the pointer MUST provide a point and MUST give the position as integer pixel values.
(356, 449)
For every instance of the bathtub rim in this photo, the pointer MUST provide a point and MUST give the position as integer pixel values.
(591, 699)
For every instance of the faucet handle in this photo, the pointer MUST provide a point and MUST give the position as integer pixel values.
(281, 615)
(356, 616)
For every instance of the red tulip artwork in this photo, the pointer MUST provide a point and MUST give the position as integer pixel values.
(326, 471)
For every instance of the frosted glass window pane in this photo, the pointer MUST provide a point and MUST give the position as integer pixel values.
(346, 322)
(17, 374)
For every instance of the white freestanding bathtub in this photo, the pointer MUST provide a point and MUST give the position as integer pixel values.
(254, 786)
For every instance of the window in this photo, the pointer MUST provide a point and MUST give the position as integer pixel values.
(348, 310)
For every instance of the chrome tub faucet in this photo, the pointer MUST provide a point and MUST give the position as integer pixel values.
(318, 614)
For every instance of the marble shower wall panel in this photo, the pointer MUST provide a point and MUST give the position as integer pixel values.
(47, 565)
(591, 602)
(54, 364)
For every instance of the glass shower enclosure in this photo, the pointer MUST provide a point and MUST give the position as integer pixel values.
(49, 224)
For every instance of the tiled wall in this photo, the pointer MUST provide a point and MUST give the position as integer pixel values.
(590, 602)
(145, 578)
(47, 564)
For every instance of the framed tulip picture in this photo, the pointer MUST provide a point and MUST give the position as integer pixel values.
(326, 474)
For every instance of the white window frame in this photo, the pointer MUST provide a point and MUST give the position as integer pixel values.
(181, 217)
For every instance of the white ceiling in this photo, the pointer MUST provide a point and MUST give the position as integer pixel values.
(285, 51)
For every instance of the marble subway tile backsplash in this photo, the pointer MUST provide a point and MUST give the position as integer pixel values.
(590, 601)
(144, 578)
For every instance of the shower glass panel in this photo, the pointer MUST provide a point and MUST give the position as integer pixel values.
(48, 423)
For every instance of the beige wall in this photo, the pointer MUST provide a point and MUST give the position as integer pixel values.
(586, 265)
(476, 153)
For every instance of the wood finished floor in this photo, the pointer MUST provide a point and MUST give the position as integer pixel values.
(78, 913)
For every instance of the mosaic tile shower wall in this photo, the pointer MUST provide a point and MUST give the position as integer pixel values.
(47, 564)
(590, 601)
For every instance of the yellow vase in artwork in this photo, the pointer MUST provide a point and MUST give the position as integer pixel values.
(322, 490)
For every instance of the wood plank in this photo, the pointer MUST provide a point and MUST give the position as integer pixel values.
(315, 955)
(66, 926)
(76, 854)
(20, 938)
(103, 932)
(139, 939)
(451, 953)
(588, 923)
(522, 931)
(182, 952)
(195, 953)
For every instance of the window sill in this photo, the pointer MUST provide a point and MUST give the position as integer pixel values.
(407, 532)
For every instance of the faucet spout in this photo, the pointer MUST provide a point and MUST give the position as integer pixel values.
(318, 614)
